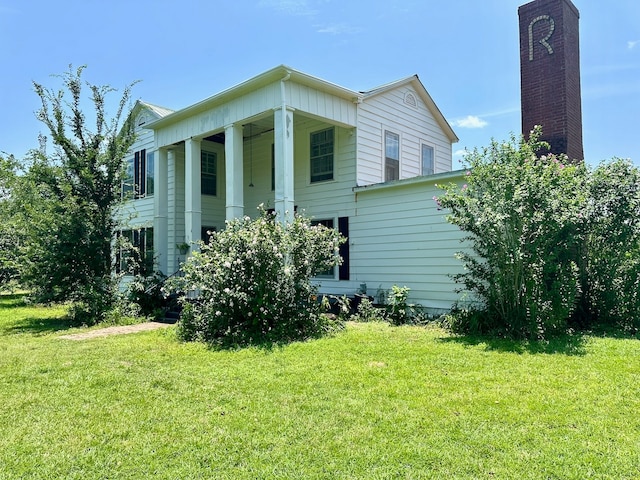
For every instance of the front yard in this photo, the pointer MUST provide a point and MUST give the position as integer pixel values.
(372, 402)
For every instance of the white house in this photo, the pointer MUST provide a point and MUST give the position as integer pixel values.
(366, 163)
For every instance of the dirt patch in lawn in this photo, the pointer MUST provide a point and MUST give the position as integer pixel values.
(118, 330)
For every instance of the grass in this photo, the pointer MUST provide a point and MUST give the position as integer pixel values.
(373, 402)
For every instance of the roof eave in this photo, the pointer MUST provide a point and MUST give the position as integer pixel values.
(281, 72)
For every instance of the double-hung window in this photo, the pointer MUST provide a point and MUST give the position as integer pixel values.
(391, 156)
(135, 252)
(209, 172)
(138, 181)
(427, 159)
(321, 155)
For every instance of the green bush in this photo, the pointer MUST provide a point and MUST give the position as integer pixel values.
(523, 214)
(611, 268)
(252, 283)
(398, 311)
(553, 245)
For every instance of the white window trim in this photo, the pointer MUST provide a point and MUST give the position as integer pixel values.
(336, 271)
(428, 144)
(307, 146)
(398, 132)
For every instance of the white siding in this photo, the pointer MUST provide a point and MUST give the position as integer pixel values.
(138, 212)
(399, 237)
(415, 125)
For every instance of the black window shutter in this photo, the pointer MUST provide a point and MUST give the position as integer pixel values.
(136, 175)
(343, 229)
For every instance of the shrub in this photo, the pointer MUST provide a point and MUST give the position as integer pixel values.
(523, 214)
(366, 312)
(398, 311)
(611, 267)
(252, 282)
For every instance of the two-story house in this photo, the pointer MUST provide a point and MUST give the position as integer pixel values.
(366, 163)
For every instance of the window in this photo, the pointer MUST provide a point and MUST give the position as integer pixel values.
(138, 181)
(321, 155)
(209, 177)
(273, 167)
(427, 160)
(343, 229)
(135, 252)
(204, 234)
(329, 273)
(149, 179)
(391, 156)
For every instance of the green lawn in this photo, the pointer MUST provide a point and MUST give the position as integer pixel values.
(372, 402)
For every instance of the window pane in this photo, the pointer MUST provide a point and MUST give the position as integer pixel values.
(209, 167)
(427, 160)
(322, 155)
(127, 182)
(150, 167)
(392, 156)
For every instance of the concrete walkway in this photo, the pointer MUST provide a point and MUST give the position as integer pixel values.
(118, 330)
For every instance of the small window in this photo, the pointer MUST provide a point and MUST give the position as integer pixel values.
(322, 155)
(134, 184)
(273, 167)
(205, 234)
(209, 173)
(427, 160)
(135, 255)
(391, 156)
(150, 179)
(329, 273)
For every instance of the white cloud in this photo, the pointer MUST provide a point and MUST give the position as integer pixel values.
(460, 153)
(632, 44)
(470, 121)
(338, 28)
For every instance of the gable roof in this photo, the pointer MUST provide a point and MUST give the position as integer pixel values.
(284, 72)
(415, 82)
(156, 109)
(281, 72)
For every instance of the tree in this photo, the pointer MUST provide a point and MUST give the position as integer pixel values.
(524, 217)
(69, 197)
(9, 237)
(611, 266)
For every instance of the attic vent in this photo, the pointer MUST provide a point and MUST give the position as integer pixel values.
(410, 99)
(142, 119)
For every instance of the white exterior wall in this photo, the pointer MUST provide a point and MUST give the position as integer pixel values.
(414, 125)
(399, 237)
(139, 212)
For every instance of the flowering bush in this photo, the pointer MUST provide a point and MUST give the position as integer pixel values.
(252, 282)
(523, 214)
(611, 268)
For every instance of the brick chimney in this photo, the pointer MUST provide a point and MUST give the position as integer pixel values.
(550, 74)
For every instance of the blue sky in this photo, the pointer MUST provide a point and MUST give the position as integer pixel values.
(465, 52)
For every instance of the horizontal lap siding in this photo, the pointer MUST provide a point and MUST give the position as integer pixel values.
(138, 212)
(399, 237)
(414, 125)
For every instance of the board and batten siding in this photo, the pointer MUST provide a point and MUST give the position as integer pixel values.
(399, 237)
(217, 116)
(414, 124)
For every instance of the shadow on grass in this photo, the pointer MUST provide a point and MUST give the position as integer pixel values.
(38, 326)
(11, 300)
(573, 344)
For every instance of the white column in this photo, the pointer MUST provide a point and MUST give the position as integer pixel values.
(171, 256)
(192, 191)
(233, 155)
(283, 146)
(161, 210)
